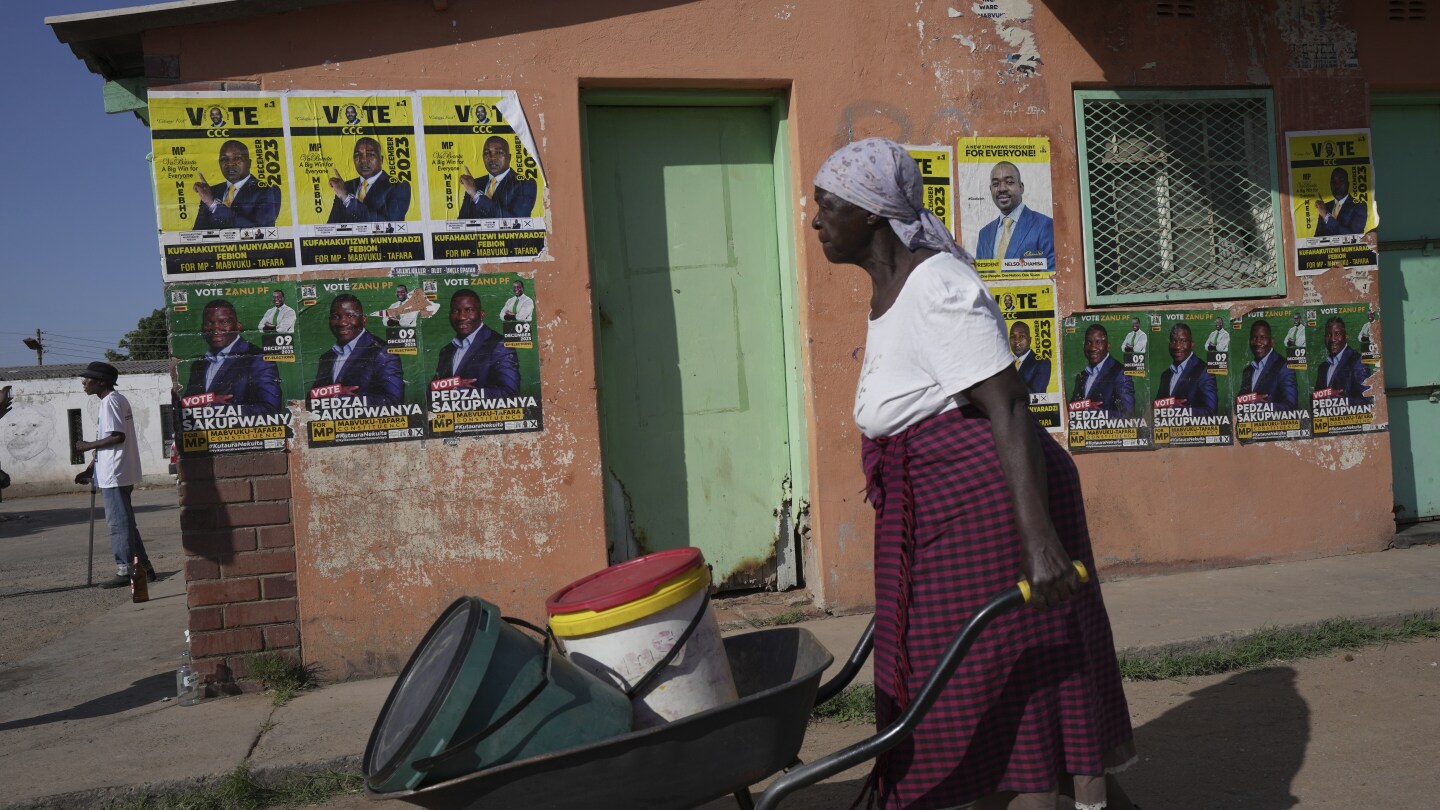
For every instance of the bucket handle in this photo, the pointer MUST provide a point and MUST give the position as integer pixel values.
(470, 742)
(643, 685)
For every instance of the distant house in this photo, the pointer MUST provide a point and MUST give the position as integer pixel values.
(50, 408)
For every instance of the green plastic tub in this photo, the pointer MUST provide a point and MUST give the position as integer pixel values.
(478, 692)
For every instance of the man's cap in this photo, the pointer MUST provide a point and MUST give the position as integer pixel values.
(104, 372)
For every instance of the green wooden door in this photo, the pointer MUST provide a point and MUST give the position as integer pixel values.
(692, 370)
(1407, 175)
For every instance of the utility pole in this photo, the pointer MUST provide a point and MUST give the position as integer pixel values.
(34, 343)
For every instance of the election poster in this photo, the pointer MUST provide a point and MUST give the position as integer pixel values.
(355, 163)
(934, 163)
(1029, 312)
(1270, 382)
(1109, 405)
(484, 370)
(222, 185)
(482, 174)
(1345, 350)
(1332, 190)
(363, 373)
(1191, 403)
(1003, 191)
(235, 342)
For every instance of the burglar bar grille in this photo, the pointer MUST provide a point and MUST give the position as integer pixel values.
(1179, 195)
(1175, 9)
(1407, 10)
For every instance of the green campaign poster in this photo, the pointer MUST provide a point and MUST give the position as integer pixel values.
(1191, 384)
(481, 356)
(1345, 351)
(1107, 380)
(1269, 376)
(363, 374)
(235, 342)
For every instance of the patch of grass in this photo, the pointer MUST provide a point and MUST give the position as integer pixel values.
(281, 675)
(241, 790)
(1264, 648)
(1271, 646)
(854, 704)
(788, 617)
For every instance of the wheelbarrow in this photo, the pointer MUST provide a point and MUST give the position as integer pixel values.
(721, 751)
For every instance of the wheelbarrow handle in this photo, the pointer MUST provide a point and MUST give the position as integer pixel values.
(805, 775)
(857, 658)
(852, 666)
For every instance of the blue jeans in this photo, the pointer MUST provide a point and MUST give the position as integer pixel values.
(124, 535)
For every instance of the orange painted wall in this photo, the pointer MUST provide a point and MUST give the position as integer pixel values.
(386, 536)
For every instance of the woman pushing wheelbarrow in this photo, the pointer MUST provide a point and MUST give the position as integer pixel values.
(970, 495)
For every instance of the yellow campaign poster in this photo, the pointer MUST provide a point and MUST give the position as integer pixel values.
(1003, 191)
(1332, 198)
(934, 163)
(486, 189)
(1029, 312)
(221, 185)
(355, 162)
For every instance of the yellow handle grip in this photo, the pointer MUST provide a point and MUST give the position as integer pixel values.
(1024, 586)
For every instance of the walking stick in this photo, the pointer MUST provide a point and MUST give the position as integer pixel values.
(90, 558)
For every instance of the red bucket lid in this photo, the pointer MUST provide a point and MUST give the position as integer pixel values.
(626, 582)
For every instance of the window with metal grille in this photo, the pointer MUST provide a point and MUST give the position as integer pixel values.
(1179, 195)
(1407, 10)
(1175, 9)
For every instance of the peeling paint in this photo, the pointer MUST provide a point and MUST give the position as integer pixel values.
(1022, 59)
(1317, 40)
(1361, 279)
(785, 11)
(964, 40)
(1335, 455)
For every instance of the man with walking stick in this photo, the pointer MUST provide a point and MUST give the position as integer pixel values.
(115, 471)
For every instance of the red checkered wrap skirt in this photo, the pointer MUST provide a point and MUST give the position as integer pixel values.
(1039, 694)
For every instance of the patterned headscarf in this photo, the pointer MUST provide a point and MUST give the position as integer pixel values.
(879, 176)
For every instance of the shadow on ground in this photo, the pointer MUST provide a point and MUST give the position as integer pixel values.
(1237, 744)
(33, 521)
(828, 796)
(139, 693)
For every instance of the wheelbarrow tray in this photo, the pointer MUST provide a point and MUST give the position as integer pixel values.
(682, 764)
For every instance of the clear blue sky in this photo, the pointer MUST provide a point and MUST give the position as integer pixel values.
(81, 261)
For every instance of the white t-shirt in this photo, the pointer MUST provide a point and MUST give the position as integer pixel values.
(117, 465)
(942, 335)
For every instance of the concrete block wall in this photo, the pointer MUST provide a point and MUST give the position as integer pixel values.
(239, 562)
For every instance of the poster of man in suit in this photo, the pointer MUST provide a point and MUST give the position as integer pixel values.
(221, 185)
(1108, 392)
(1332, 187)
(355, 160)
(1342, 399)
(364, 383)
(1004, 194)
(1191, 405)
(486, 189)
(1029, 312)
(235, 380)
(484, 371)
(1270, 389)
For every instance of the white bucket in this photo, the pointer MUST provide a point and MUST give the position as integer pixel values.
(622, 644)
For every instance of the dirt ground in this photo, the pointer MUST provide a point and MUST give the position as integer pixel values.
(1348, 730)
(1342, 732)
(43, 547)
